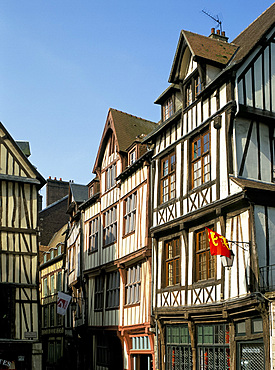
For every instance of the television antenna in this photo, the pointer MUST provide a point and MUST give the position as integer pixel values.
(216, 19)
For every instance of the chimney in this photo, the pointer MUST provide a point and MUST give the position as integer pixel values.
(218, 35)
(56, 190)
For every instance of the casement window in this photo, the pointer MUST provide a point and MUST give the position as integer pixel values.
(178, 347)
(110, 226)
(130, 213)
(46, 316)
(113, 288)
(71, 258)
(91, 191)
(59, 249)
(93, 235)
(198, 86)
(132, 286)
(201, 159)
(110, 176)
(205, 263)
(172, 262)
(168, 109)
(168, 178)
(132, 156)
(98, 298)
(213, 347)
(45, 257)
(52, 320)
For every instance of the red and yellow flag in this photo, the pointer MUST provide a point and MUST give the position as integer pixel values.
(218, 244)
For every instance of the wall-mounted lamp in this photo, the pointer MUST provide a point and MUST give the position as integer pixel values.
(226, 261)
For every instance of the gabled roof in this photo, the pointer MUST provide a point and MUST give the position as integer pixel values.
(250, 37)
(213, 51)
(78, 193)
(58, 237)
(126, 128)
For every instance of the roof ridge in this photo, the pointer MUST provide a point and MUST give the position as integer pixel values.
(254, 21)
(131, 115)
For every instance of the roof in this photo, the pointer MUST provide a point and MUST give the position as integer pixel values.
(250, 37)
(58, 237)
(129, 127)
(25, 147)
(253, 184)
(79, 192)
(211, 49)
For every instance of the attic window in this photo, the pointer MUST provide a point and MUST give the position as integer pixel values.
(91, 191)
(197, 86)
(132, 156)
(167, 109)
(192, 89)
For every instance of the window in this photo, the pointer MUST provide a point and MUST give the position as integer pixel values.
(167, 109)
(59, 282)
(52, 284)
(197, 86)
(91, 191)
(188, 95)
(71, 258)
(133, 282)
(110, 176)
(52, 254)
(52, 315)
(130, 213)
(102, 351)
(213, 347)
(178, 347)
(45, 257)
(205, 263)
(132, 156)
(113, 285)
(59, 249)
(172, 262)
(46, 316)
(168, 177)
(98, 301)
(93, 235)
(201, 159)
(45, 287)
(110, 226)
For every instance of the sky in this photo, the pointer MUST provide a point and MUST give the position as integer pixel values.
(64, 63)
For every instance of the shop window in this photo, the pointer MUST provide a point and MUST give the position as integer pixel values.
(113, 288)
(93, 235)
(178, 348)
(201, 159)
(205, 263)
(110, 226)
(213, 347)
(130, 213)
(168, 178)
(132, 286)
(172, 262)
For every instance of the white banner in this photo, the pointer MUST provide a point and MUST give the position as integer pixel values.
(63, 301)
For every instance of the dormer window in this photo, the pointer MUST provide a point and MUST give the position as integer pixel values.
(132, 156)
(110, 176)
(91, 191)
(192, 89)
(197, 86)
(167, 109)
(188, 94)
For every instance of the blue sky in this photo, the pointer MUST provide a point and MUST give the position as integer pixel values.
(64, 63)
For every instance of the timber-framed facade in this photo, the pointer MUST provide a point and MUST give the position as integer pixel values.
(19, 289)
(212, 167)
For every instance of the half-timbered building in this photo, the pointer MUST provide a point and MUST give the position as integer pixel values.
(19, 314)
(213, 166)
(117, 248)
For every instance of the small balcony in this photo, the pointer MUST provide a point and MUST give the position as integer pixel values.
(267, 278)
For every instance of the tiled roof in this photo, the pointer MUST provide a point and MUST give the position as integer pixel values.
(248, 38)
(58, 237)
(79, 192)
(129, 128)
(211, 49)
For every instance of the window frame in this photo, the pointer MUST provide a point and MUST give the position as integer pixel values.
(113, 290)
(93, 234)
(174, 260)
(110, 176)
(166, 182)
(209, 262)
(200, 150)
(110, 225)
(129, 213)
(132, 157)
(99, 293)
(168, 108)
(133, 285)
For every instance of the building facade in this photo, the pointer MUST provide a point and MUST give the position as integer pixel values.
(20, 345)
(213, 166)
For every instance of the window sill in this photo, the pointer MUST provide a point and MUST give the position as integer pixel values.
(110, 244)
(111, 308)
(130, 305)
(130, 233)
(165, 204)
(206, 283)
(92, 251)
(202, 186)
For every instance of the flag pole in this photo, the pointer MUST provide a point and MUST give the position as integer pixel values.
(237, 244)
